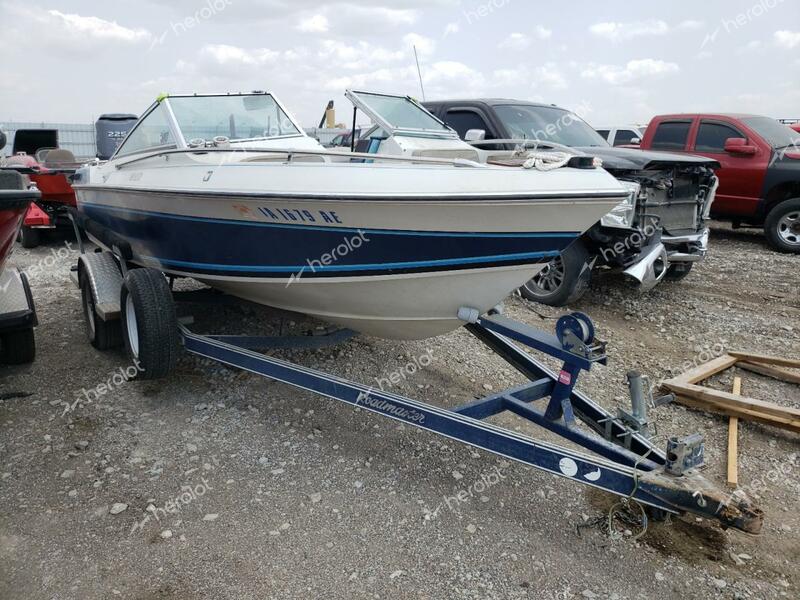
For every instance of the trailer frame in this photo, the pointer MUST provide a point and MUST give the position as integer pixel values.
(614, 454)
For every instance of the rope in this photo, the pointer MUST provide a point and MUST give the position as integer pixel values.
(622, 510)
(545, 161)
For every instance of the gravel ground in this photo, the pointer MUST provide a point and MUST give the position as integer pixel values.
(272, 492)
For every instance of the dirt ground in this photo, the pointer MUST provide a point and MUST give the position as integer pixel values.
(259, 490)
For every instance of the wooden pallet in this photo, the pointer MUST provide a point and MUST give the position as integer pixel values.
(689, 393)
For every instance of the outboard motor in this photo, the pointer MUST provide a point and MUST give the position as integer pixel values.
(111, 129)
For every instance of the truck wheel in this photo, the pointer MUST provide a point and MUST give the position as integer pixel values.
(678, 271)
(103, 335)
(783, 226)
(149, 323)
(563, 280)
(18, 347)
(29, 237)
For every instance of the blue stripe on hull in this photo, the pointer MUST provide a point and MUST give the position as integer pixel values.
(244, 248)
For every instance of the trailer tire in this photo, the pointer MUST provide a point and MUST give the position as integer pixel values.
(103, 335)
(782, 226)
(149, 323)
(29, 237)
(18, 347)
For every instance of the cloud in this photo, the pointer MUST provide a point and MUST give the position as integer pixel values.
(543, 33)
(617, 32)
(787, 39)
(361, 55)
(425, 46)
(690, 24)
(549, 75)
(314, 24)
(451, 28)
(515, 41)
(633, 70)
(225, 55)
(97, 28)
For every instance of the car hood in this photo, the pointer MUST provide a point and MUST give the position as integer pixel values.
(632, 159)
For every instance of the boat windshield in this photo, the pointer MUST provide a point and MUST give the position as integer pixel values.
(397, 112)
(237, 117)
(548, 123)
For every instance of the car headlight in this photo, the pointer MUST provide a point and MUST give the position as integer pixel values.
(623, 214)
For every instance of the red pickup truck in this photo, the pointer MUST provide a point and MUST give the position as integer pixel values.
(759, 180)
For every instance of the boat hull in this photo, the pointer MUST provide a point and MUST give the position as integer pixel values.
(13, 206)
(384, 264)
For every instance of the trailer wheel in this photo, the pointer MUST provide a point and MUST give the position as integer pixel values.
(103, 335)
(149, 323)
(29, 237)
(18, 347)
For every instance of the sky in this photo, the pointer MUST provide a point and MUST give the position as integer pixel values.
(616, 62)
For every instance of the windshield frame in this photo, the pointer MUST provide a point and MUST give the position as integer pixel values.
(177, 133)
(359, 101)
(575, 117)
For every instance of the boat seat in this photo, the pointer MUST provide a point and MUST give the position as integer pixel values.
(59, 157)
(11, 180)
(41, 154)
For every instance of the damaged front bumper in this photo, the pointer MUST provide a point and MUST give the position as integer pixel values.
(651, 266)
(686, 248)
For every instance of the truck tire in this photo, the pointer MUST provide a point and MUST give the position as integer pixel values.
(678, 271)
(103, 335)
(563, 280)
(29, 237)
(149, 323)
(782, 226)
(18, 347)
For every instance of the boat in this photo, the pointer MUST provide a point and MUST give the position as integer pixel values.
(393, 242)
(37, 155)
(17, 313)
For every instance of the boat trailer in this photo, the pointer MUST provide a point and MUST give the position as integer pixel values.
(617, 453)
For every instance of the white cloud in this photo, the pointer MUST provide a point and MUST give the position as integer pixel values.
(543, 33)
(690, 24)
(787, 39)
(361, 55)
(515, 41)
(314, 24)
(425, 46)
(633, 70)
(97, 28)
(451, 28)
(549, 75)
(223, 54)
(617, 32)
